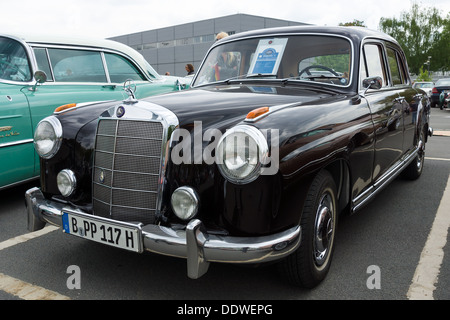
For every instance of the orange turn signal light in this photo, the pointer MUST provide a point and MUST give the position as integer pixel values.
(65, 107)
(256, 113)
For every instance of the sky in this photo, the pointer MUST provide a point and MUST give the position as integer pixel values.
(109, 18)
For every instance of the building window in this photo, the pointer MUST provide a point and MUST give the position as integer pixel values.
(166, 44)
(179, 42)
(184, 42)
(204, 38)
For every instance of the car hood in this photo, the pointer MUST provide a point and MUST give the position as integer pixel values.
(217, 107)
(222, 106)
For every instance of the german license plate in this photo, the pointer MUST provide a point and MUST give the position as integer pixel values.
(113, 233)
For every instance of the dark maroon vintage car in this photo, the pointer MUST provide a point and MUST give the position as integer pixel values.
(282, 131)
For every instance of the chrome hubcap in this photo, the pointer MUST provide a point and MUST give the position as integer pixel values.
(323, 230)
(421, 154)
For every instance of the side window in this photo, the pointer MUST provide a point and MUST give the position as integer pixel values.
(77, 65)
(394, 67)
(397, 66)
(120, 69)
(372, 65)
(42, 62)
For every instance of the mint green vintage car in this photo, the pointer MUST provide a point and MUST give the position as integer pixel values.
(40, 74)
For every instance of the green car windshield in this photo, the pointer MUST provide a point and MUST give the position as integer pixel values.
(306, 58)
(14, 64)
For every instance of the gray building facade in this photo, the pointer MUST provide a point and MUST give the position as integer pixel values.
(170, 49)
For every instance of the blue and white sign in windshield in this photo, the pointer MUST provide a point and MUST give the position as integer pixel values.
(268, 56)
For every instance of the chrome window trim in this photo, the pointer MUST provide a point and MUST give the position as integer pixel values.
(100, 50)
(105, 67)
(49, 65)
(384, 43)
(287, 34)
(28, 46)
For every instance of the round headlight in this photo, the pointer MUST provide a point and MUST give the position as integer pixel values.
(47, 137)
(240, 154)
(66, 182)
(185, 203)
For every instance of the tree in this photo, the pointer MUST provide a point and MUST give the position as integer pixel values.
(418, 32)
(354, 23)
(423, 75)
(440, 51)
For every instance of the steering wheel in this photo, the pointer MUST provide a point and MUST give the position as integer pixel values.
(13, 67)
(317, 66)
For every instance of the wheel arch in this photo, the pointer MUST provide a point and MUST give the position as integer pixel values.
(339, 170)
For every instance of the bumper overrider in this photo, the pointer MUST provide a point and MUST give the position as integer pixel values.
(192, 243)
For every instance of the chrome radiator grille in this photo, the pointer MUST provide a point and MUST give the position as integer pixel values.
(127, 166)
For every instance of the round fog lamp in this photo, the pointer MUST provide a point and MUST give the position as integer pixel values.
(185, 203)
(66, 182)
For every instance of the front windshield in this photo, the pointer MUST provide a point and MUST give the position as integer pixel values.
(324, 59)
(14, 65)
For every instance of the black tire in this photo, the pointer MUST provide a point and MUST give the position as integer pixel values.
(310, 263)
(414, 170)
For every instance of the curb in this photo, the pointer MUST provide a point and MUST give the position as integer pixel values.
(441, 133)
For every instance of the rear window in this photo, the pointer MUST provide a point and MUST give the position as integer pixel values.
(120, 69)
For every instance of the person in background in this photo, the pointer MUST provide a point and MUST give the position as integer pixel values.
(189, 69)
(221, 35)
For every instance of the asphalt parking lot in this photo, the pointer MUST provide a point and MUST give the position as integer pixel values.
(383, 253)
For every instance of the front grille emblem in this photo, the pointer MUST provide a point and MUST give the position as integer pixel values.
(120, 112)
(101, 178)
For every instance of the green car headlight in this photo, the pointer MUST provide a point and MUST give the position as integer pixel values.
(47, 137)
(241, 152)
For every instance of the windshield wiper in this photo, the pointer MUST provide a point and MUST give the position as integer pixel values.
(250, 76)
(260, 75)
(319, 77)
(243, 77)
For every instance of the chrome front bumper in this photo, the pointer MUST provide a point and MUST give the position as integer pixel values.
(193, 243)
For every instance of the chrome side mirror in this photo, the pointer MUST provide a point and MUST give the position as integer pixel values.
(40, 77)
(372, 83)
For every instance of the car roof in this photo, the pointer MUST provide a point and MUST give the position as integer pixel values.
(351, 32)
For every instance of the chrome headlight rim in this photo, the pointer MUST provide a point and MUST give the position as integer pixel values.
(56, 139)
(262, 154)
(69, 177)
(193, 198)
